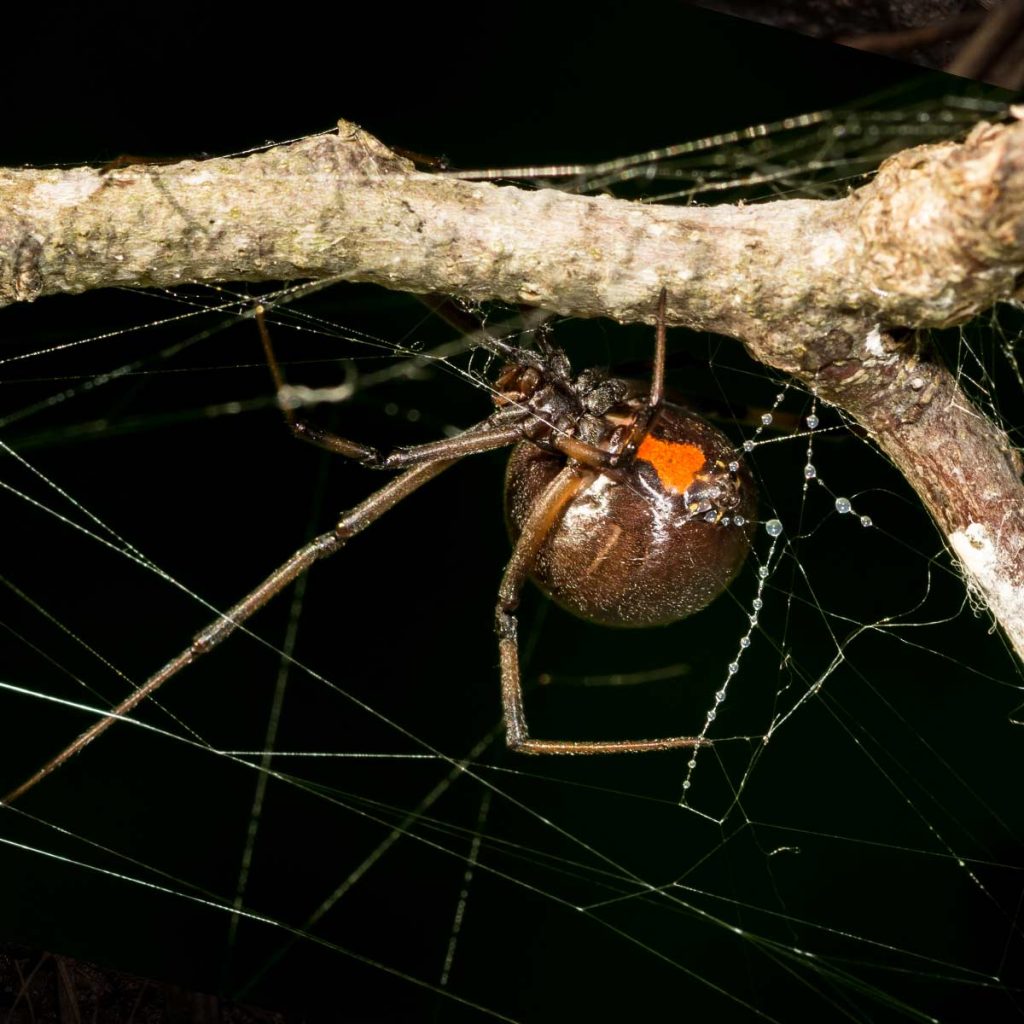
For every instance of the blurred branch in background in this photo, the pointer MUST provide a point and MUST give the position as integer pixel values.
(980, 39)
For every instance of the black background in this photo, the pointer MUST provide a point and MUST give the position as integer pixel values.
(854, 815)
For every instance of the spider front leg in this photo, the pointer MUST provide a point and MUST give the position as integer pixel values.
(545, 517)
(480, 438)
(504, 426)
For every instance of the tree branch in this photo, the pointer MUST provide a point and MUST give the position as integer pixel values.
(828, 291)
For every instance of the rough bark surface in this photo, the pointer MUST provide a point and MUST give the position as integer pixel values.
(828, 291)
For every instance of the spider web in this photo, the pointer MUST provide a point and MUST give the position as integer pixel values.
(325, 805)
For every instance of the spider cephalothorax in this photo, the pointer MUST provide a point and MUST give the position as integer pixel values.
(559, 405)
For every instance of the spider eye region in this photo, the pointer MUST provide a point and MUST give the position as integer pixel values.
(652, 545)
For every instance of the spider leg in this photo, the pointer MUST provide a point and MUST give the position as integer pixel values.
(544, 516)
(657, 392)
(476, 439)
(586, 454)
(503, 422)
(607, 462)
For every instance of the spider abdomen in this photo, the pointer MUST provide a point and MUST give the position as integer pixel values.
(654, 545)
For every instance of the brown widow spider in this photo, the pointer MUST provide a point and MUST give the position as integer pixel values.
(626, 509)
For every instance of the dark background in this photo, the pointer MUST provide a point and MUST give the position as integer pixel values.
(839, 860)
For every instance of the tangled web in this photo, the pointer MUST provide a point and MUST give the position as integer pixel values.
(325, 805)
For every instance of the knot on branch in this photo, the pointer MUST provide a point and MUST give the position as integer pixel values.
(360, 153)
(21, 278)
(943, 227)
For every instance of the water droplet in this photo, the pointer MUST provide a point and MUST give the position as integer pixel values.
(733, 668)
(734, 467)
(711, 517)
(758, 604)
(745, 642)
(686, 784)
(691, 764)
(774, 527)
(866, 521)
(812, 421)
(843, 505)
(766, 419)
(711, 716)
(779, 397)
(720, 696)
(763, 572)
(740, 521)
(810, 472)
(748, 446)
